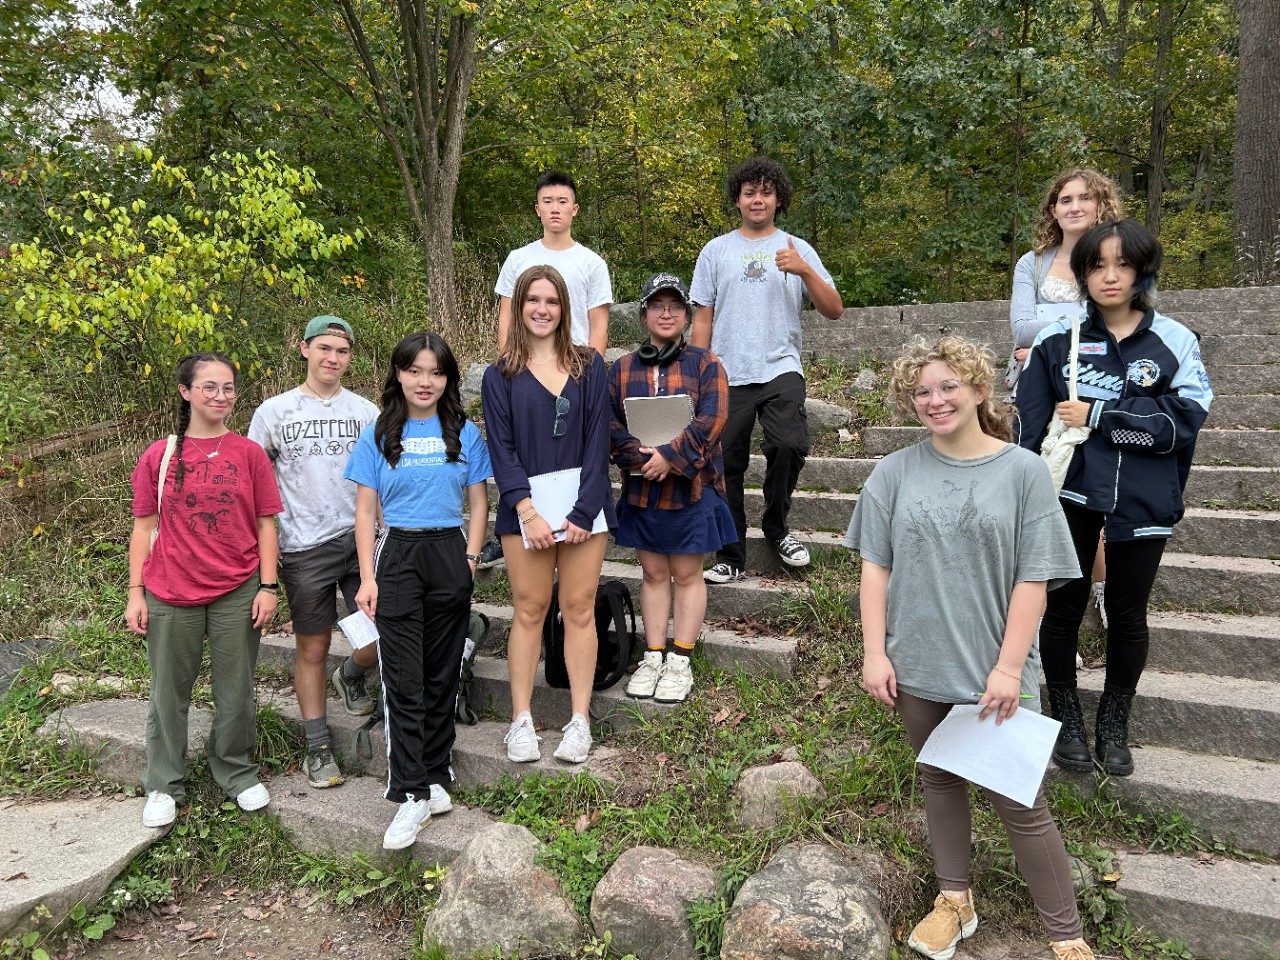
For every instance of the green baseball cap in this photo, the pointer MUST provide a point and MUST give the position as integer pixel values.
(327, 323)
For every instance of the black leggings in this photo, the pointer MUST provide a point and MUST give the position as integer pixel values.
(1131, 570)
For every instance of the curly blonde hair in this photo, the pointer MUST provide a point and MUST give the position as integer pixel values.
(1110, 207)
(973, 363)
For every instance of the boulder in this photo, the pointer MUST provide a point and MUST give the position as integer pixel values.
(614, 354)
(642, 902)
(65, 852)
(826, 416)
(866, 381)
(472, 384)
(763, 792)
(496, 897)
(808, 903)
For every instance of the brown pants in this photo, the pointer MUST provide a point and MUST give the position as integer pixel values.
(1037, 845)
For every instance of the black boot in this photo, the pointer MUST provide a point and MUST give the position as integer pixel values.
(1071, 751)
(1112, 733)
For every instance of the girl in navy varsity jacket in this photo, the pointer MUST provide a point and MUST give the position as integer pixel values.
(1145, 395)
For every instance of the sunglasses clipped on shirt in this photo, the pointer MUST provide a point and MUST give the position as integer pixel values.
(562, 408)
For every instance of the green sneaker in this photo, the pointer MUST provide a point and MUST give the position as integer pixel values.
(321, 769)
(355, 696)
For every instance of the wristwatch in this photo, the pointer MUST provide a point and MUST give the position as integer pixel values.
(473, 557)
(273, 587)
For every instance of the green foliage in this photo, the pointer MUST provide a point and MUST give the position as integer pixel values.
(142, 282)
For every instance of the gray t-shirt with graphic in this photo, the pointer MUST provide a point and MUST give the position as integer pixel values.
(309, 444)
(957, 536)
(756, 333)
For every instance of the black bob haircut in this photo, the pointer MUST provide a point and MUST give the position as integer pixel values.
(760, 170)
(1139, 248)
(555, 178)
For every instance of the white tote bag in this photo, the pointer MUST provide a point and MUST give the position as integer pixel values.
(1060, 442)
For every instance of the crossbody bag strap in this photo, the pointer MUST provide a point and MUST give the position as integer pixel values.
(1074, 365)
(169, 447)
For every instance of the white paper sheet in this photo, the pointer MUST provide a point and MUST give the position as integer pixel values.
(1009, 759)
(554, 495)
(358, 629)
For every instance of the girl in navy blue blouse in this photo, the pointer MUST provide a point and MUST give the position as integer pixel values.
(546, 409)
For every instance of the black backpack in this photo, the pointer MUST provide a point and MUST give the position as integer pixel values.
(616, 639)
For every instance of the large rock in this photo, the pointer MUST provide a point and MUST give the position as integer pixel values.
(808, 903)
(65, 852)
(763, 792)
(825, 416)
(472, 383)
(496, 897)
(642, 901)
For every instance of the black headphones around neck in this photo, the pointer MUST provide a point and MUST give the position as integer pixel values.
(665, 355)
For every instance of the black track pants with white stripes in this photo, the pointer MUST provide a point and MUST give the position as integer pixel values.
(424, 601)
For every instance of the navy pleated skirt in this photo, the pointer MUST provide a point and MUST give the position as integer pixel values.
(701, 527)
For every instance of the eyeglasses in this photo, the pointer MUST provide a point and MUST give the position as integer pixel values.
(562, 408)
(945, 390)
(675, 309)
(212, 390)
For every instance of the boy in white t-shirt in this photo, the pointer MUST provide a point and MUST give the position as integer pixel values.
(309, 433)
(584, 271)
(585, 274)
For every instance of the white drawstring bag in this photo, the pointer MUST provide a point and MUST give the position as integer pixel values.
(1060, 442)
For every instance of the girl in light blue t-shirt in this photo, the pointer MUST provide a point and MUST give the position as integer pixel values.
(416, 465)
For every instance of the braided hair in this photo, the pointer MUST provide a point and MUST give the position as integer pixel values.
(188, 367)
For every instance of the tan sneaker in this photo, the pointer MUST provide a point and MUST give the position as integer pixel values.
(950, 921)
(1071, 950)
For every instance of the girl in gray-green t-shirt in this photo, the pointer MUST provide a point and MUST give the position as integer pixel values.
(961, 536)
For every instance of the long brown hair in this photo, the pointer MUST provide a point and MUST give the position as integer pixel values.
(1110, 207)
(570, 358)
(973, 363)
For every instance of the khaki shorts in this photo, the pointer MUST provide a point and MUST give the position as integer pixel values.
(312, 579)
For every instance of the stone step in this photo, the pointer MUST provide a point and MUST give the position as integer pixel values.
(352, 818)
(1228, 533)
(1244, 378)
(1229, 645)
(1222, 909)
(765, 655)
(1225, 584)
(1233, 798)
(1198, 713)
(479, 755)
(1247, 410)
(1253, 448)
(1213, 486)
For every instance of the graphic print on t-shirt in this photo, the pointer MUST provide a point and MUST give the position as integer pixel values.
(755, 266)
(429, 451)
(950, 532)
(319, 437)
(206, 491)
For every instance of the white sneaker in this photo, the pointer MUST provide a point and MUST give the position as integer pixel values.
(676, 680)
(255, 798)
(792, 552)
(160, 810)
(440, 801)
(576, 743)
(723, 573)
(522, 741)
(645, 679)
(409, 818)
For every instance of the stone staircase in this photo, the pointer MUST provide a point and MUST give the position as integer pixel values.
(1208, 712)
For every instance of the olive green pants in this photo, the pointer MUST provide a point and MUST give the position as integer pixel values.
(175, 642)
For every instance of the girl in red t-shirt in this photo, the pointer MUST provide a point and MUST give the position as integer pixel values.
(202, 563)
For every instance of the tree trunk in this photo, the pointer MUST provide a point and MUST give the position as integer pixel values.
(1119, 30)
(1257, 146)
(1160, 109)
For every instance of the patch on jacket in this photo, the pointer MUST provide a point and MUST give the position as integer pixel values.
(1144, 373)
(1094, 348)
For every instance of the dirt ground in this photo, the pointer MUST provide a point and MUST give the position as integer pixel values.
(225, 923)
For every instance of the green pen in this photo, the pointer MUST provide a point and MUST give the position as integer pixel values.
(1023, 696)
